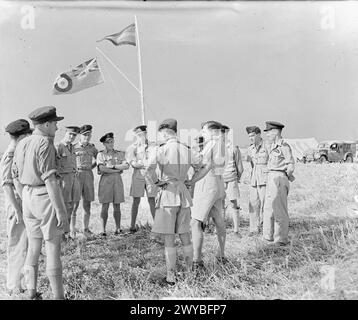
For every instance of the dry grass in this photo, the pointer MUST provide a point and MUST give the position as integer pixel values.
(323, 234)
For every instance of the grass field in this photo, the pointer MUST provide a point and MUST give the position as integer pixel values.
(321, 261)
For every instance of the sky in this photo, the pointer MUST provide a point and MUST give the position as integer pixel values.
(240, 63)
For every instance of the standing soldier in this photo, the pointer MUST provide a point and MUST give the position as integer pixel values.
(231, 176)
(137, 155)
(86, 154)
(111, 164)
(67, 169)
(209, 192)
(281, 167)
(173, 204)
(43, 206)
(257, 155)
(16, 232)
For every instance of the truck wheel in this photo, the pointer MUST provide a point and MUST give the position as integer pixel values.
(349, 159)
(323, 159)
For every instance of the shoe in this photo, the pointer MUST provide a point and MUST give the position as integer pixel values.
(267, 240)
(280, 244)
(118, 231)
(164, 282)
(253, 233)
(103, 234)
(237, 235)
(133, 230)
(38, 296)
(198, 266)
(72, 235)
(222, 260)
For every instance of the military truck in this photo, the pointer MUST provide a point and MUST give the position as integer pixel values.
(335, 151)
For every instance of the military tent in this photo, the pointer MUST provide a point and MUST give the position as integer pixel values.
(299, 146)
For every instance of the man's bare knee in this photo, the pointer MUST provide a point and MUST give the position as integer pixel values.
(185, 239)
(169, 240)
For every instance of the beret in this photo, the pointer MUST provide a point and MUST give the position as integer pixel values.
(168, 124)
(18, 127)
(252, 129)
(273, 125)
(85, 128)
(44, 114)
(106, 137)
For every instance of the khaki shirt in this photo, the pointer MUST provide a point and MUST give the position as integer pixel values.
(85, 155)
(234, 167)
(215, 153)
(258, 156)
(111, 158)
(140, 153)
(280, 155)
(174, 160)
(34, 159)
(6, 177)
(66, 158)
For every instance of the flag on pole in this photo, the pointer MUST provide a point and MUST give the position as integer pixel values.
(85, 75)
(126, 36)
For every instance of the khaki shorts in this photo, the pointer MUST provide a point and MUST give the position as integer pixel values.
(232, 190)
(208, 196)
(110, 189)
(39, 214)
(171, 220)
(70, 187)
(86, 181)
(138, 187)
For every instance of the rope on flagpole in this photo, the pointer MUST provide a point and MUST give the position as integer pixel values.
(119, 70)
(140, 70)
(127, 115)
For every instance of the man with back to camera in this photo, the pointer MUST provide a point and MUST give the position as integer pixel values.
(16, 231)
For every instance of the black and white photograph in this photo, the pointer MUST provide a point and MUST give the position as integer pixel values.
(200, 151)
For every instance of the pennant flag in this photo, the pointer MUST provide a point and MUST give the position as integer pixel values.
(85, 75)
(126, 36)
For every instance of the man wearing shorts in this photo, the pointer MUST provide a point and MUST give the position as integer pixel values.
(44, 209)
(231, 176)
(111, 164)
(137, 155)
(209, 192)
(173, 200)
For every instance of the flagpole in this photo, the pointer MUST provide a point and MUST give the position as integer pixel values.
(140, 70)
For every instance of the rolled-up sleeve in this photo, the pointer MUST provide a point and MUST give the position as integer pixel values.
(6, 163)
(100, 159)
(287, 153)
(47, 159)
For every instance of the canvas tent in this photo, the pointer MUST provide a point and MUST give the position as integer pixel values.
(299, 146)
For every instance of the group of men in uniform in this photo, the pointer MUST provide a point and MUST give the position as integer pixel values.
(43, 186)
